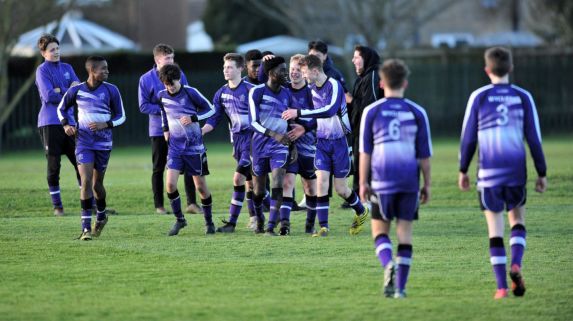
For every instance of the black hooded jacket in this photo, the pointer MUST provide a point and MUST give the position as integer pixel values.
(366, 87)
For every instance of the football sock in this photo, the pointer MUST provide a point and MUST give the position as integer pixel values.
(498, 261)
(276, 198)
(258, 204)
(322, 204)
(100, 206)
(207, 205)
(310, 209)
(355, 203)
(250, 204)
(56, 197)
(383, 246)
(286, 208)
(87, 209)
(175, 202)
(267, 200)
(517, 243)
(403, 259)
(236, 203)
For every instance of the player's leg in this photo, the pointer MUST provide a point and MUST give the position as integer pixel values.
(380, 227)
(491, 202)
(403, 255)
(192, 207)
(259, 190)
(287, 203)
(100, 165)
(53, 158)
(277, 178)
(252, 224)
(175, 167)
(310, 189)
(516, 218)
(236, 205)
(206, 202)
(86, 168)
(322, 202)
(159, 160)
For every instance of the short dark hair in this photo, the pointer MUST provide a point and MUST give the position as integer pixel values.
(162, 49)
(45, 40)
(253, 54)
(311, 62)
(92, 61)
(499, 60)
(318, 45)
(238, 59)
(394, 73)
(169, 73)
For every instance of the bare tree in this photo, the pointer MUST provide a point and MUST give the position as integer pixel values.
(395, 22)
(552, 20)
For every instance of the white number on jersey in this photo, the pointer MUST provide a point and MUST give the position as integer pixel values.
(394, 129)
(502, 110)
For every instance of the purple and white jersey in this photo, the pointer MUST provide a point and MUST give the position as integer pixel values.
(49, 76)
(101, 104)
(234, 103)
(265, 111)
(329, 109)
(184, 140)
(396, 133)
(149, 86)
(498, 117)
(302, 99)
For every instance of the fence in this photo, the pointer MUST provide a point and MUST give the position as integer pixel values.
(441, 81)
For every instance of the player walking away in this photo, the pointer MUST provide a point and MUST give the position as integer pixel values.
(100, 109)
(182, 107)
(231, 101)
(331, 147)
(366, 91)
(270, 150)
(498, 117)
(305, 142)
(149, 86)
(395, 144)
(53, 78)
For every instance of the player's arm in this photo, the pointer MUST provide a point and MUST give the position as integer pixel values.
(328, 110)
(366, 146)
(532, 133)
(65, 117)
(73, 77)
(468, 142)
(212, 122)
(255, 95)
(426, 168)
(205, 108)
(424, 152)
(147, 102)
(48, 92)
(164, 123)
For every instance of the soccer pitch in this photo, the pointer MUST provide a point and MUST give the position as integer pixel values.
(135, 272)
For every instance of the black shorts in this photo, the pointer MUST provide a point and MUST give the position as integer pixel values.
(55, 141)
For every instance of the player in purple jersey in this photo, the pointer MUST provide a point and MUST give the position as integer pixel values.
(498, 118)
(100, 109)
(332, 147)
(395, 144)
(149, 86)
(53, 78)
(253, 63)
(231, 101)
(270, 150)
(305, 142)
(182, 107)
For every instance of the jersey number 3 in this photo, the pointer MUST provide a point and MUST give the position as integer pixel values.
(503, 118)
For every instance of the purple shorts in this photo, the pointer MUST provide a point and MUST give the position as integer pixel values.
(264, 165)
(242, 149)
(100, 158)
(332, 156)
(494, 198)
(403, 206)
(304, 166)
(194, 165)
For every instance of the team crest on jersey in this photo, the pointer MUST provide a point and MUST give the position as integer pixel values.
(101, 96)
(284, 101)
(67, 75)
(242, 98)
(182, 101)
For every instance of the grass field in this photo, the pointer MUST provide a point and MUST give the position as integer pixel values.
(135, 272)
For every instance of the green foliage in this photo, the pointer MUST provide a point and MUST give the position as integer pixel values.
(135, 272)
(235, 22)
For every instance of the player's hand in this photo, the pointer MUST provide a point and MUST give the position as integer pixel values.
(57, 90)
(70, 130)
(186, 120)
(97, 126)
(290, 114)
(365, 192)
(268, 57)
(166, 136)
(464, 182)
(283, 139)
(296, 132)
(424, 194)
(541, 184)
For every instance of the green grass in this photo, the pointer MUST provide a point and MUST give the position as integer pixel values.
(135, 272)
